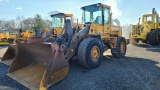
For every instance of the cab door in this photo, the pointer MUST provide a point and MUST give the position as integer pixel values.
(106, 20)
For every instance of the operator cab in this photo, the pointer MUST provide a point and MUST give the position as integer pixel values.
(150, 18)
(96, 14)
(58, 19)
(100, 17)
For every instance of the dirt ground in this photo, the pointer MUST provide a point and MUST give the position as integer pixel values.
(139, 70)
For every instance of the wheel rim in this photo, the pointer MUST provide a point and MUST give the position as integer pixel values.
(122, 47)
(95, 52)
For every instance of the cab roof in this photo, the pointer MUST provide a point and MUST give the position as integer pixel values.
(62, 14)
(98, 4)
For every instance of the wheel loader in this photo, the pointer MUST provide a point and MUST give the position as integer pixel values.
(7, 37)
(58, 24)
(148, 31)
(40, 65)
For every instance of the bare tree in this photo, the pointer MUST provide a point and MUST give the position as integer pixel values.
(2, 23)
(28, 23)
(20, 19)
(47, 23)
(39, 22)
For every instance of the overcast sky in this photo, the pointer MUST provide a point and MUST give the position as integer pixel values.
(127, 11)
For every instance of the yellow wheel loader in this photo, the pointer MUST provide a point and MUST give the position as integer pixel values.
(7, 37)
(57, 25)
(148, 31)
(40, 65)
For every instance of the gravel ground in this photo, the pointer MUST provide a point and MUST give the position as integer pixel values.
(139, 70)
(2, 50)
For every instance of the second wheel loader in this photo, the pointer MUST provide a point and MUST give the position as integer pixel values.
(57, 25)
(148, 31)
(40, 65)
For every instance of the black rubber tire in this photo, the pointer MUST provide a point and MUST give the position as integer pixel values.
(116, 52)
(84, 52)
(153, 40)
(159, 35)
(134, 41)
(143, 41)
(10, 41)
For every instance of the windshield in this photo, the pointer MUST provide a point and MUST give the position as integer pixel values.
(147, 18)
(57, 21)
(92, 14)
(11, 33)
(150, 18)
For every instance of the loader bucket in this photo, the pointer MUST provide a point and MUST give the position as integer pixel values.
(35, 39)
(9, 54)
(38, 65)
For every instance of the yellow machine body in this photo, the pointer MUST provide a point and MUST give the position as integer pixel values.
(7, 37)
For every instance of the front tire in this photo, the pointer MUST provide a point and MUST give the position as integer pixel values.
(90, 52)
(154, 37)
(120, 49)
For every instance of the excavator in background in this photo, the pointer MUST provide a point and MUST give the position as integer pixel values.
(148, 31)
(40, 65)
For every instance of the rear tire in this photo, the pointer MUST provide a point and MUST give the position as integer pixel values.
(159, 36)
(120, 49)
(154, 37)
(90, 52)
